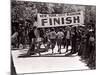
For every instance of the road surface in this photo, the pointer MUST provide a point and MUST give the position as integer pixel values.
(47, 62)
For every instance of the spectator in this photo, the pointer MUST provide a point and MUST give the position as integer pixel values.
(60, 36)
(73, 39)
(53, 39)
(67, 37)
(14, 39)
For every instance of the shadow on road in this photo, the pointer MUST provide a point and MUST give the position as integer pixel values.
(46, 55)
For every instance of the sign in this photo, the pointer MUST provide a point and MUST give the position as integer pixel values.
(54, 20)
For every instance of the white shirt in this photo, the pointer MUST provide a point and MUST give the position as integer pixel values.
(60, 35)
(68, 35)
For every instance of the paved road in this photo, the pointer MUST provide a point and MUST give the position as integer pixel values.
(47, 62)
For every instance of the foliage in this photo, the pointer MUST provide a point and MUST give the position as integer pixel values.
(23, 10)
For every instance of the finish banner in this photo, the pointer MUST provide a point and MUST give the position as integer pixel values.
(54, 20)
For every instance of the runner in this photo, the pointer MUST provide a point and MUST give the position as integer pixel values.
(32, 38)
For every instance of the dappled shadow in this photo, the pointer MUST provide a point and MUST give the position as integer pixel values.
(46, 55)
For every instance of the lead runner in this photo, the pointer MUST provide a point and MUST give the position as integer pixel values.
(33, 36)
